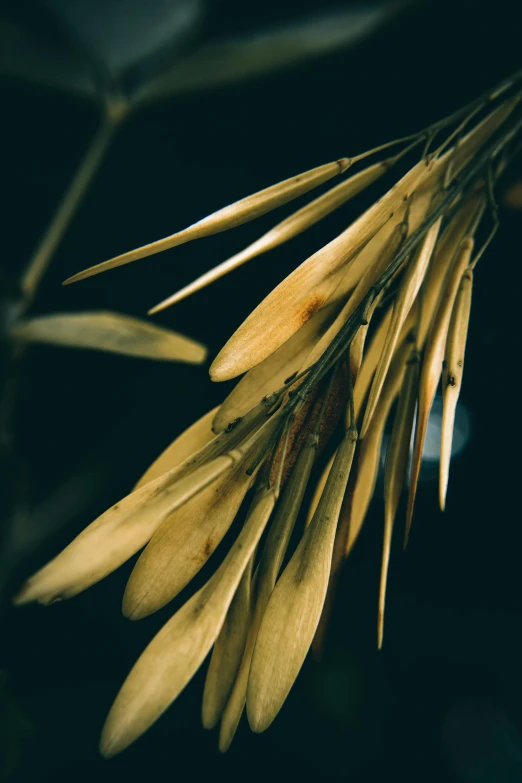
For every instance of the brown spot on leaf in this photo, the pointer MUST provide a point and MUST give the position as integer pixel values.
(312, 306)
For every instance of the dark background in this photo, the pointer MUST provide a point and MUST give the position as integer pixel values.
(443, 700)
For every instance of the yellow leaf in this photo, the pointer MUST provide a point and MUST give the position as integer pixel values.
(409, 287)
(265, 579)
(120, 532)
(431, 368)
(294, 608)
(228, 652)
(179, 649)
(127, 526)
(113, 332)
(367, 458)
(397, 456)
(270, 375)
(301, 220)
(234, 215)
(308, 288)
(453, 368)
(188, 537)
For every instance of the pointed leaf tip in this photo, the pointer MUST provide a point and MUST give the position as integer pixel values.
(111, 332)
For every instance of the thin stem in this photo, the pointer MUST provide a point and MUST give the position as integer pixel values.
(66, 210)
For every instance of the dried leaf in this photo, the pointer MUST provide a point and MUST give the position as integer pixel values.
(266, 575)
(467, 147)
(378, 254)
(397, 456)
(294, 608)
(453, 368)
(117, 534)
(270, 375)
(308, 287)
(113, 332)
(126, 527)
(179, 649)
(228, 652)
(410, 283)
(359, 341)
(367, 460)
(188, 537)
(458, 227)
(182, 545)
(359, 492)
(234, 215)
(301, 220)
(431, 368)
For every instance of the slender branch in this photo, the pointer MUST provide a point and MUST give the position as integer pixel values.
(66, 209)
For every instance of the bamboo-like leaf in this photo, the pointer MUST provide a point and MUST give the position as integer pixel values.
(125, 528)
(308, 287)
(179, 649)
(432, 367)
(294, 608)
(367, 460)
(183, 544)
(397, 456)
(228, 652)
(359, 341)
(118, 534)
(459, 226)
(188, 537)
(360, 490)
(271, 374)
(301, 220)
(113, 332)
(471, 143)
(453, 368)
(234, 215)
(411, 281)
(266, 575)
(372, 356)
(370, 360)
(384, 247)
(184, 446)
